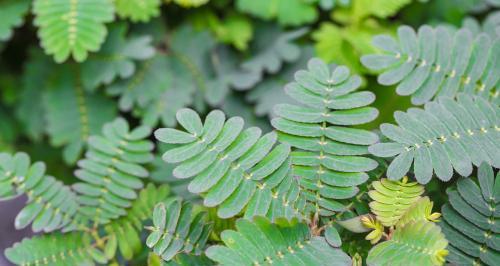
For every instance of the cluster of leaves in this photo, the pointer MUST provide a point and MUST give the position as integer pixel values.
(261, 153)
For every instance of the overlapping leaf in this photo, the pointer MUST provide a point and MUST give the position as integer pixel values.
(447, 135)
(470, 219)
(112, 171)
(51, 205)
(72, 27)
(260, 242)
(328, 153)
(234, 169)
(437, 62)
(417, 243)
(176, 229)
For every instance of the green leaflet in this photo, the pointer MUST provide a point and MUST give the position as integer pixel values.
(437, 62)
(326, 148)
(55, 249)
(232, 167)
(84, 113)
(12, 13)
(447, 135)
(112, 170)
(392, 199)
(72, 28)
(138, 10)
(51, 205)
(127, 229)
(289, 12)
(176, 229)
(470, 219)
(115, 58)
(260, 242)
(416, 243)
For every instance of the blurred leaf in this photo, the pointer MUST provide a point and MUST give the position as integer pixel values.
(115, 58)
(73, 114)
(12, 14)
(287, 12)
(30, 110)
(138, 10)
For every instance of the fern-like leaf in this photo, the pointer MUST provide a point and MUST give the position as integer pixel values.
(112, 170)
(51, 205)
(448, 134)
(72, 113)
(138, 10)
(232, 167)
(12, 13)
(54, 249)
(437, 62)
(392, 199)
(470, 219)
(417, 243)
(327, 152)
(127, 229)
(176, 229)
(72, 27)
(260, 242)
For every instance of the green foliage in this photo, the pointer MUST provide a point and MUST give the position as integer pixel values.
(447, 135)
(393, 199)
(235, 169)
(326, 156)
(79, 25)
(418, 242)
(51, 205)
(238, 193)
(471, 219)
(437, 62)
(12, 13)
(260, 242)
(176, 229)
(112, 170)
